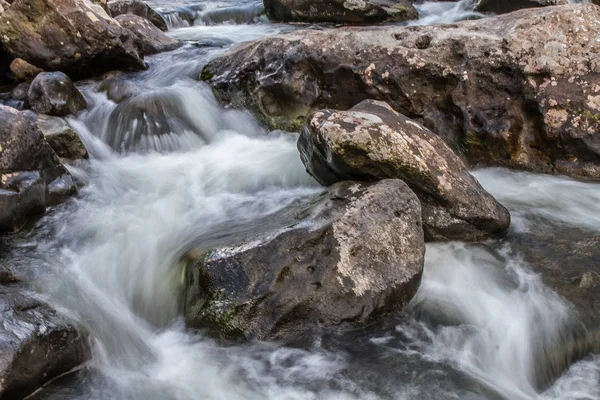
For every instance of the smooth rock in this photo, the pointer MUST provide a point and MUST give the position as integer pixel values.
(118, 89)
(351, 254)
(53, 93)
(341, 11)
(371, 141)
(36, 344)
(139, 8)
(520, 90)
(24, 71)
(149, 39)
(87, 43)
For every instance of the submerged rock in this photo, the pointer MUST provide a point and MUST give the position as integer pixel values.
(519, 90)
(149, 39)
(139, 8)
(118, 89)
(36, 344)
(53, 93)
(341, 11)
(351, 254)
(31, 176)
(371, 141)
(74, 36)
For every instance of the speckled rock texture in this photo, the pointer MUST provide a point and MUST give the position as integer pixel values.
(31, 176)
(149, 39)
(341, 11)
(520, 90)
(371, 141)
(351, 254)
(61, 137)
(73, 36)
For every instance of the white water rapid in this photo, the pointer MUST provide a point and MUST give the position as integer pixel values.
(482, 326)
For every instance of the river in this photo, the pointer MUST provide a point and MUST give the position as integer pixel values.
(483, 324)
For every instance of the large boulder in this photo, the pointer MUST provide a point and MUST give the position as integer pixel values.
(31, 176)
(149, 39)
(520, 90)
(506, 6)
(53, 93)
(371, 141)
(341, 11)
(353, 253)
(74, 36)
(139, 8)
(36, 344)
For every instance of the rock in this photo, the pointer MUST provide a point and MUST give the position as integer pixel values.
(521, 90)
(149, 38)
(214, 42)
(3, 6)
(87, 43)
(53, 93)
(5, 61)
(118, 89)
(244, 14)
(61, 137)
(371, 141)
(341, 11)
(17, 98)
(350, 255)
(31, 176)
(24, 71)
(6, 275)
(506, 6)
(139, 8)
(36, 344)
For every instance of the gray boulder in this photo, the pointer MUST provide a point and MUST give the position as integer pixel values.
(53, 93)
(139, 8)
(341, 11)
(31, 176)
(36, 344)
(149, 39)
(371, 141)
(74, 36)
(519, 90)
(61, 137)
(353, 253)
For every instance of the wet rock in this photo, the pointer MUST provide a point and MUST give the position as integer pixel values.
(149, 38)
(6, 275)
(118, 89)
(219, 42)
(353, 253)
(24, 71)
(61, 137)
(36, 344)
(245, 14)
(506, 6)
(88, 41)
(53, 93)
(341, 11)
(17, 98)
(139, 8)
(31, 176)
(520, 90)
(371, 141)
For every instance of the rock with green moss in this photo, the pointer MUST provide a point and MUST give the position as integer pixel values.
(341, 11)
(371, 141)
(519, 90)
(351, 254)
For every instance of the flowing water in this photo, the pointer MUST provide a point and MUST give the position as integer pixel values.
(170, 167)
